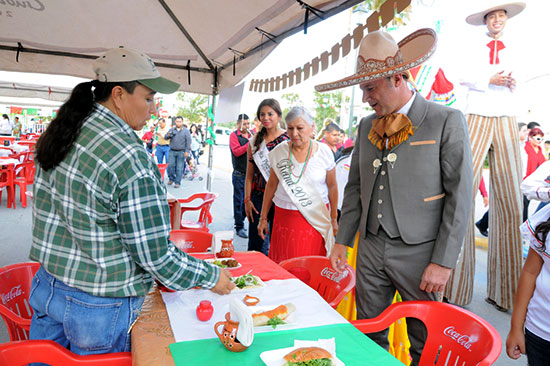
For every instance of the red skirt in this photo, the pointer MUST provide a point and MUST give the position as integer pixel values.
(293, 237)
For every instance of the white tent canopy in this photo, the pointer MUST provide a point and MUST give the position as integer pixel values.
(23, 90)
(213, 43)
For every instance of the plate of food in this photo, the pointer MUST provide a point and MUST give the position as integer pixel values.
(247, 282)
(229, 263)
(302, 356)
(273, 316)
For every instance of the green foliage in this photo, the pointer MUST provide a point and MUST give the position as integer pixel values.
(397, 21)
(291, 100)
(327, 105)
(193, 107)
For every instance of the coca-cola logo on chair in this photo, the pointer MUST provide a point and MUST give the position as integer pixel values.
(464, 340)
(331, 274)
(12, 294)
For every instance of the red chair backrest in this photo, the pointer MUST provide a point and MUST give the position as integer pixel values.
(21, 353)
(162, 168)
(15, 285)
(317, 273)
(204, 218)
(455, 336)
(191, 241)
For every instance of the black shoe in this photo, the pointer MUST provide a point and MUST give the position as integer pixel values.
(242, 233)
(482, 231)
(493, 302)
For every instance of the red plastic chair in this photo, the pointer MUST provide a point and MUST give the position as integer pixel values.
(205, 217)
(15, 285)
(455, 336)
(21, 353)
(162, 168)
(7, 176)
(191, 241)
(317, 273)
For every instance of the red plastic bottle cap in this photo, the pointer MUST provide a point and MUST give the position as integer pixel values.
(204, 310)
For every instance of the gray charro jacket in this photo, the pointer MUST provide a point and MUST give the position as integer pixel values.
(431, 182)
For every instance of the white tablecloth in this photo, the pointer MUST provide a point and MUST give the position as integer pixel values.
(311, 309)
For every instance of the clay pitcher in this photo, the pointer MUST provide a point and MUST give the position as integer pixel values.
(227, 249)
(228, 336)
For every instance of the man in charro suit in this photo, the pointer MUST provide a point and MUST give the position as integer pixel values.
(409, 185)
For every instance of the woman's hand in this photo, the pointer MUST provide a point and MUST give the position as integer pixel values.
(334, 223)
(262, 228)
(515, 344)
(249, 209)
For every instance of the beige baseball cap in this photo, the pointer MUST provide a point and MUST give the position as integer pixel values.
(123, 64)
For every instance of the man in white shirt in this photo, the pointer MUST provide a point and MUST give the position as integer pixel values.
(491, 114)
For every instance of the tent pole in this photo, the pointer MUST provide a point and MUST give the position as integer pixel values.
(210, 123)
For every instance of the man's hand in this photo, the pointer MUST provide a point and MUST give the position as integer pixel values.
(434, 278)
(503, 80)
(338, 257)
(224, 285)
(186, 154)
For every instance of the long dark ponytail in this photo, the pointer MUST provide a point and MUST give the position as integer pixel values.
(263, 131)
(541, 232)
(58, 139)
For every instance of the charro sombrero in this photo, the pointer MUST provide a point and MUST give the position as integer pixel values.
(511, 10)
(380, 56)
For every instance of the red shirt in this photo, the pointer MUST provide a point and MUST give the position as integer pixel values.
(147, 136)
(534, 159)
(235, 146)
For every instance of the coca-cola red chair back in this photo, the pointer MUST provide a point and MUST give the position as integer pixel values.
(15, 285)
(317, 273)
(455, 336)
(21, 353)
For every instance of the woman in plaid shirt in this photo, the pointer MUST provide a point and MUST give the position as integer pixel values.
(100, 218)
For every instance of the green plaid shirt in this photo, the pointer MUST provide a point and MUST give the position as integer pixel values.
(101, 221)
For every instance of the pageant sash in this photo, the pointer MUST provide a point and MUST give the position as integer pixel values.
(261, 158)
(304, 196)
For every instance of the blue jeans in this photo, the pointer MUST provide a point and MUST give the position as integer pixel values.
(162, 153)
(255, 242)
(83, 323)
(238, 179)
(196, 156)
(176, 166)
(537, 349)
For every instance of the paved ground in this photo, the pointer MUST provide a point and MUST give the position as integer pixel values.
(16, 232)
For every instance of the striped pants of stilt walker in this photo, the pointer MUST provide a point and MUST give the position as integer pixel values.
(497, 136)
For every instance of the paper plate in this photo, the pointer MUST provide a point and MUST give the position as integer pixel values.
(211, 261)
(275, 357)
(259, 286)
(289, 321)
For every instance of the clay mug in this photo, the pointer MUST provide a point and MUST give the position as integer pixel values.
(227, 249)
(228, 336)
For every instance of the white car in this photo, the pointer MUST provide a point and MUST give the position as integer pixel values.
(222, 135)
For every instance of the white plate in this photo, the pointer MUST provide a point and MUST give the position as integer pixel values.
(275, 357)
(290, 319)
(259, 286)
(211, 261)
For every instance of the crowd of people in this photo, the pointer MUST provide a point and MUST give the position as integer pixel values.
(101, 224)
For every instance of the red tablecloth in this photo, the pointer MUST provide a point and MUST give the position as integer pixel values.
(260, 265)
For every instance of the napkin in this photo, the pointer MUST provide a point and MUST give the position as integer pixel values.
(240, 312)
(276, 357)
(218, 237)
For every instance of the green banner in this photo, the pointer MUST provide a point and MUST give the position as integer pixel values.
(32, 111)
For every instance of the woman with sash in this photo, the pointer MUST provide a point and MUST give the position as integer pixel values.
(257, 172)
(302, 184)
